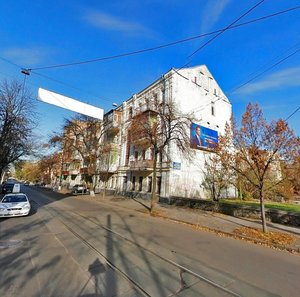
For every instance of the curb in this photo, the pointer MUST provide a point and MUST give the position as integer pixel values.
(220, 232)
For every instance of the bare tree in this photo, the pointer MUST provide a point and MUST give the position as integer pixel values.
(17, 120)
(255, 149)
(158, 129)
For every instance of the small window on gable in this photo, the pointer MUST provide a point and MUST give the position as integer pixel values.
(213, 109)
(195, 79)
(130, 113)
(155, 99)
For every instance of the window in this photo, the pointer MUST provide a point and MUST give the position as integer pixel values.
(124, 183)
(136, 155)
(140, 183)
(143, 155)
(151, 154)
(160, 156)
(158, 185)
(130, 113)
(149, 184)
(213, 110)
(133, 183)
(210, 83)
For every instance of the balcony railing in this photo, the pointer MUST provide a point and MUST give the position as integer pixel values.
(74, 171)
(105, 168)
(141, 165)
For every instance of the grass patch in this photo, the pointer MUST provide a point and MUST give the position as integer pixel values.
(270, 205)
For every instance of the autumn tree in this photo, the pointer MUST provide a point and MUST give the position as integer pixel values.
(217, 176)
(291, 186)
(17, 120)
(158, 128)
(81, 136)
(28, 170)
(50, 166)
(254, 151)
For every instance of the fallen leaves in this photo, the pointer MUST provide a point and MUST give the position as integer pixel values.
(271, 237)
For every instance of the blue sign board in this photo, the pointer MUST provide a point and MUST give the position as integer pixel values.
(176, 165)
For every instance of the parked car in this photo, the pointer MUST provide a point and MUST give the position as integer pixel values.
(26, 183)
(7, 188)
(80, 189)
(13, 205)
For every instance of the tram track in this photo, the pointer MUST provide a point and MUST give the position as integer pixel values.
(182, 270)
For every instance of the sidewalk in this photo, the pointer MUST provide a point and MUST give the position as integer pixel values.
(208, 221)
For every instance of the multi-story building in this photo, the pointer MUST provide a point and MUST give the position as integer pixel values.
(128, 169)
(192, 90)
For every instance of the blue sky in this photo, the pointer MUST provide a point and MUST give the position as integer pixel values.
(40, 33)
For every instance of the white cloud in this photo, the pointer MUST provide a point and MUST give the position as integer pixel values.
(289, 77)
(212, 14)
(105, 21)
(25, 56)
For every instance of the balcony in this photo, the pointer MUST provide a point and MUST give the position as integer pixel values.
(102, 168)
(84, 170)
(141, 165)
(74, 171)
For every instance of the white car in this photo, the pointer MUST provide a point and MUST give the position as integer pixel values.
(15, 204)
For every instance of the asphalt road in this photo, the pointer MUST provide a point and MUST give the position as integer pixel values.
(74, 246)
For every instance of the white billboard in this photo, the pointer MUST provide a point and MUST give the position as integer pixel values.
(70, 104)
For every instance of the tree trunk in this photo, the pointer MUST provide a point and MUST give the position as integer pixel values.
(153, 194)
(2, 173)
(106, 177)
(262, 211)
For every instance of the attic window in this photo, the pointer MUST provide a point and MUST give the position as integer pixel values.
(130, 113)
(213, 110)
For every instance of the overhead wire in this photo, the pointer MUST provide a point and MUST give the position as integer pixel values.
(49, 78)
(144, 50)
(266, 70)
(222, 31)
(212, 39)
(260, 68)
(70, 86)
(165, 45)
(233, 25)
(292, 114)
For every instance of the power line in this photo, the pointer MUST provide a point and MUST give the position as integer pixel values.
(223, 30)
(10, 62)
(149, 49)
(167, 44)
(70, 86)
(293, 113)
(268, 63)
(27, 72)
(263, 72)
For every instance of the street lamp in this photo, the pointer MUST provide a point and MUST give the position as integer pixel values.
(25, 71)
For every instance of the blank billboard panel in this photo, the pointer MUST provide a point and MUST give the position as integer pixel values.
(70, 104)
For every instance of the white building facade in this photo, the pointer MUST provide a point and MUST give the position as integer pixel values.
(192, 90)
